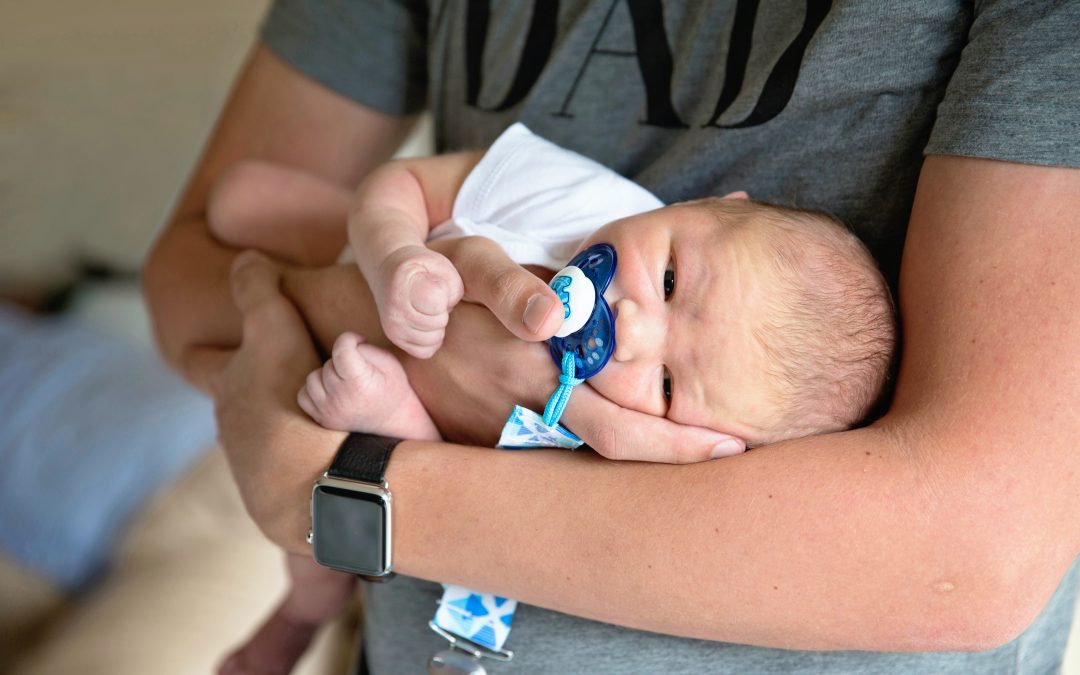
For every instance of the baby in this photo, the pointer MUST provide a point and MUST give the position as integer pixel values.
(757, 321)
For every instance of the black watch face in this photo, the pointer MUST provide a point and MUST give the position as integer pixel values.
(349, 530)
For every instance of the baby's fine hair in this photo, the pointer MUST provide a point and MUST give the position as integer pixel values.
(829, 326)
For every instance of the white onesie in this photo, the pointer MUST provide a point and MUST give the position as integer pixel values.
(540, 201)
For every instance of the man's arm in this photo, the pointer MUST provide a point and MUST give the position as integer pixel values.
(274, 114)
(946, 525)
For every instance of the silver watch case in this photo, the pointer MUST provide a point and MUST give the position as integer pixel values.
(348, 519)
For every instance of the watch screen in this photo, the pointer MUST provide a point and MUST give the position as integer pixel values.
(349, 530)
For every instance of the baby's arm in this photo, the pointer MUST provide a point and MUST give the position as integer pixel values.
(287, 213)
(364, 388)
(389, 220)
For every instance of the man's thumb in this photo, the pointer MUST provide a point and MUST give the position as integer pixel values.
(519, 299)
(542, 316)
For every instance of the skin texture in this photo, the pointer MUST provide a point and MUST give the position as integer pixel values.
(946, 525)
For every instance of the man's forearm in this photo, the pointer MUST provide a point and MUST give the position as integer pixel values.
(839, 541)
(188, 301)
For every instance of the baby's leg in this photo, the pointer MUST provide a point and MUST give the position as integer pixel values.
(364, 388)
(290, 214)
(316, 594)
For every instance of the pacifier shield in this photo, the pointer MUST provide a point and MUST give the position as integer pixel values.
(578, 295)
(588, 330)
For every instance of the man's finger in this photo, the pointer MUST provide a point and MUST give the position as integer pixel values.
(202, 367)
(254, 280)
(623, 434)
(256, 290)
(521, 301)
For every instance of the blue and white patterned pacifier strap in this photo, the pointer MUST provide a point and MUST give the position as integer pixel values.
(478, 617)
(525, 429)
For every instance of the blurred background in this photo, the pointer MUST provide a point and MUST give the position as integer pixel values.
(124, 547)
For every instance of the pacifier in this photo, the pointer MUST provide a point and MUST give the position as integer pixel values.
(586, 340)
(588, 328)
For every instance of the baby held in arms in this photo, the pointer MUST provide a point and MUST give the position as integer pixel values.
(760, 322)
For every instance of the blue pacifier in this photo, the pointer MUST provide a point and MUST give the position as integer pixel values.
(588, 330)
(586, 340)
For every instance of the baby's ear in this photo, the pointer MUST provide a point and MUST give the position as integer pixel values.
(741, 194)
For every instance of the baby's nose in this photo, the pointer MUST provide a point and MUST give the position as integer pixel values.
(637, 332)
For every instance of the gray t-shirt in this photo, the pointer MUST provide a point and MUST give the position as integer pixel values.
(827, 105)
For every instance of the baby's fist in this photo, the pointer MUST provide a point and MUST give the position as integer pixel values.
(418, 289)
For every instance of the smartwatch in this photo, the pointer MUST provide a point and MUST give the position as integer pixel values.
(351, 509)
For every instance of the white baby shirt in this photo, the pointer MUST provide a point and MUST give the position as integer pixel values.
(539, 201)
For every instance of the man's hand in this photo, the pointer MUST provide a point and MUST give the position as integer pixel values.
(275, 452)
(520, 300)
(415, 290)
(473, 382)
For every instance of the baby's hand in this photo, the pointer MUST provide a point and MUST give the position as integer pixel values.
(415, 292)
(364, 388)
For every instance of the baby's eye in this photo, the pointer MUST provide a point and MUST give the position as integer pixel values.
(669, 278)
(666, 384)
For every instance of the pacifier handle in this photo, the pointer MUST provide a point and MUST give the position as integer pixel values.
(586, 340)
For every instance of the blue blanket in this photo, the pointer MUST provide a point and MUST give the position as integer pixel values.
(91, 425)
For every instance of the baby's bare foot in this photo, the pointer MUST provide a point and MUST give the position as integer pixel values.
(316, 594)
(273, 650)
(364, 388)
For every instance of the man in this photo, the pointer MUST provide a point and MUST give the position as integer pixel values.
(947, 525)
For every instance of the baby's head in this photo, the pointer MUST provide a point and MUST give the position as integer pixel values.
(759, 321)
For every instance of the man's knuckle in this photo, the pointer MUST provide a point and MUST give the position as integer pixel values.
(506, 284)
(474, 248)
(609, 442)
(263, 316)
(683, 452)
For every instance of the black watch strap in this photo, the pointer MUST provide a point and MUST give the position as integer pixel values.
(363, 457)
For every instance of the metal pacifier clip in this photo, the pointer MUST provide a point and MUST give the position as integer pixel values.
(478, 624)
